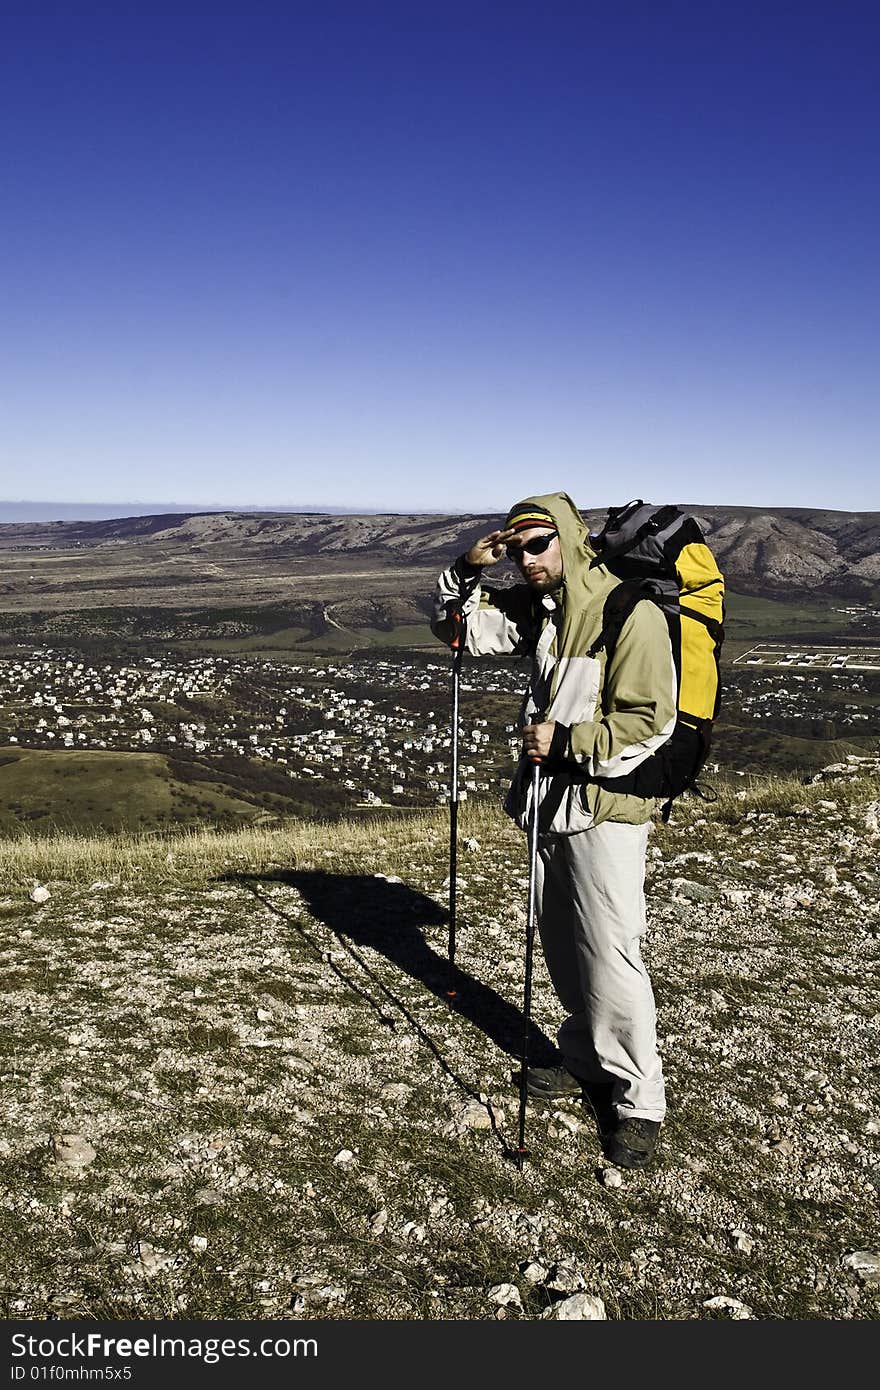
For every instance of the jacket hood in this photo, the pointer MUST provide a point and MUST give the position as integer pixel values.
(577, 553)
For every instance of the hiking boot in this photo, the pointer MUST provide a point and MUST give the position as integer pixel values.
(633, 1143)
(552, 1083)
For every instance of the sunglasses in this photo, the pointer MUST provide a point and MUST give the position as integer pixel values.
(536, 546)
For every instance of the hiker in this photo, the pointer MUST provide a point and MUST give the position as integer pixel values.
(590, 720)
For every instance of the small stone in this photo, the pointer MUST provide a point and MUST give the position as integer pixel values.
(150, 1260)
(263, 1015)
(865, 1264)
(471, 844)
(732, 1306)
(40, 894)
(343, 1157)
(209, 1197)
(579, 1307)
(474, 1115)
(774, 1145)
(199, 1244)
(299, 1065)
(717, 1000)
(534, 1272)
(395, 1091)
(72, 1150)
(565, 1277)
(693, 892)
(873, 1126)
(378, 1221)
(331, 1293)
(742, 1241)
(611, 1177)
(505, 1295)
(412, 1231)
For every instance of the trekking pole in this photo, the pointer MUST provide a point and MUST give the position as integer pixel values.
(522, 1151)
(457, 652)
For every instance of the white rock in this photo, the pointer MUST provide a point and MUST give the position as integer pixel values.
(580, 1307)
(535, 1273)
(611, 1177)
(72, 1150)
(199, 1243)
(395, 1090)
(263, 1015)
(379, 1221)
(472, 845)
(722, 1304)
(505, 1295)
(150, 1260)
(865, 1263)
(331, 1293)
(40, 894)
(566, 1121)
(565, 1277)
(344, 1156)
(742, 1241)
(474, 1115)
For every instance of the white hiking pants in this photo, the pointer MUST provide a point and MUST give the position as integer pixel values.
(591, 914)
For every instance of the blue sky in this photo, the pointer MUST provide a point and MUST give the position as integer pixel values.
(423, 256)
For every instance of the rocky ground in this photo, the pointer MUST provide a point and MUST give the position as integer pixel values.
(249, 1096)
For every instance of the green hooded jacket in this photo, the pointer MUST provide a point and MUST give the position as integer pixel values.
(617, 712)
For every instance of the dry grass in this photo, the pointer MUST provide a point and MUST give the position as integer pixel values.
(196, 856)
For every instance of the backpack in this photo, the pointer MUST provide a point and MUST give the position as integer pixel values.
(660, 553)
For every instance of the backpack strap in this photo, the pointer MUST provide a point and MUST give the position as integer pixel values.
(715, 628)
(618, 606)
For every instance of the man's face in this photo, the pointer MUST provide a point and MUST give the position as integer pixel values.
(543, 571)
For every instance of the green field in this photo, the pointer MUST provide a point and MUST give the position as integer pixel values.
(44, 789)
(749, 620)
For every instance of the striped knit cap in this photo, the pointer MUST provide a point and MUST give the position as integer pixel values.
(524, 515)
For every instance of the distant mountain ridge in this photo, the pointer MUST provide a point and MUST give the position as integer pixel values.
(778, 552)
(23, 511)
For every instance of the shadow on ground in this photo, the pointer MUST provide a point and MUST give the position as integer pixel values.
(388, 918)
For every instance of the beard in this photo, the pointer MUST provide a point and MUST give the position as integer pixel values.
(544, 583)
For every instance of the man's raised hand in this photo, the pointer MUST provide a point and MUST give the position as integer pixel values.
(488, 549)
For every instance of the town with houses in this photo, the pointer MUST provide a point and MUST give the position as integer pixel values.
(376, 731)
(333, 736)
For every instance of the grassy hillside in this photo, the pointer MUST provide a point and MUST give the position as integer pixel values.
(107, 791)
(276, 1113)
